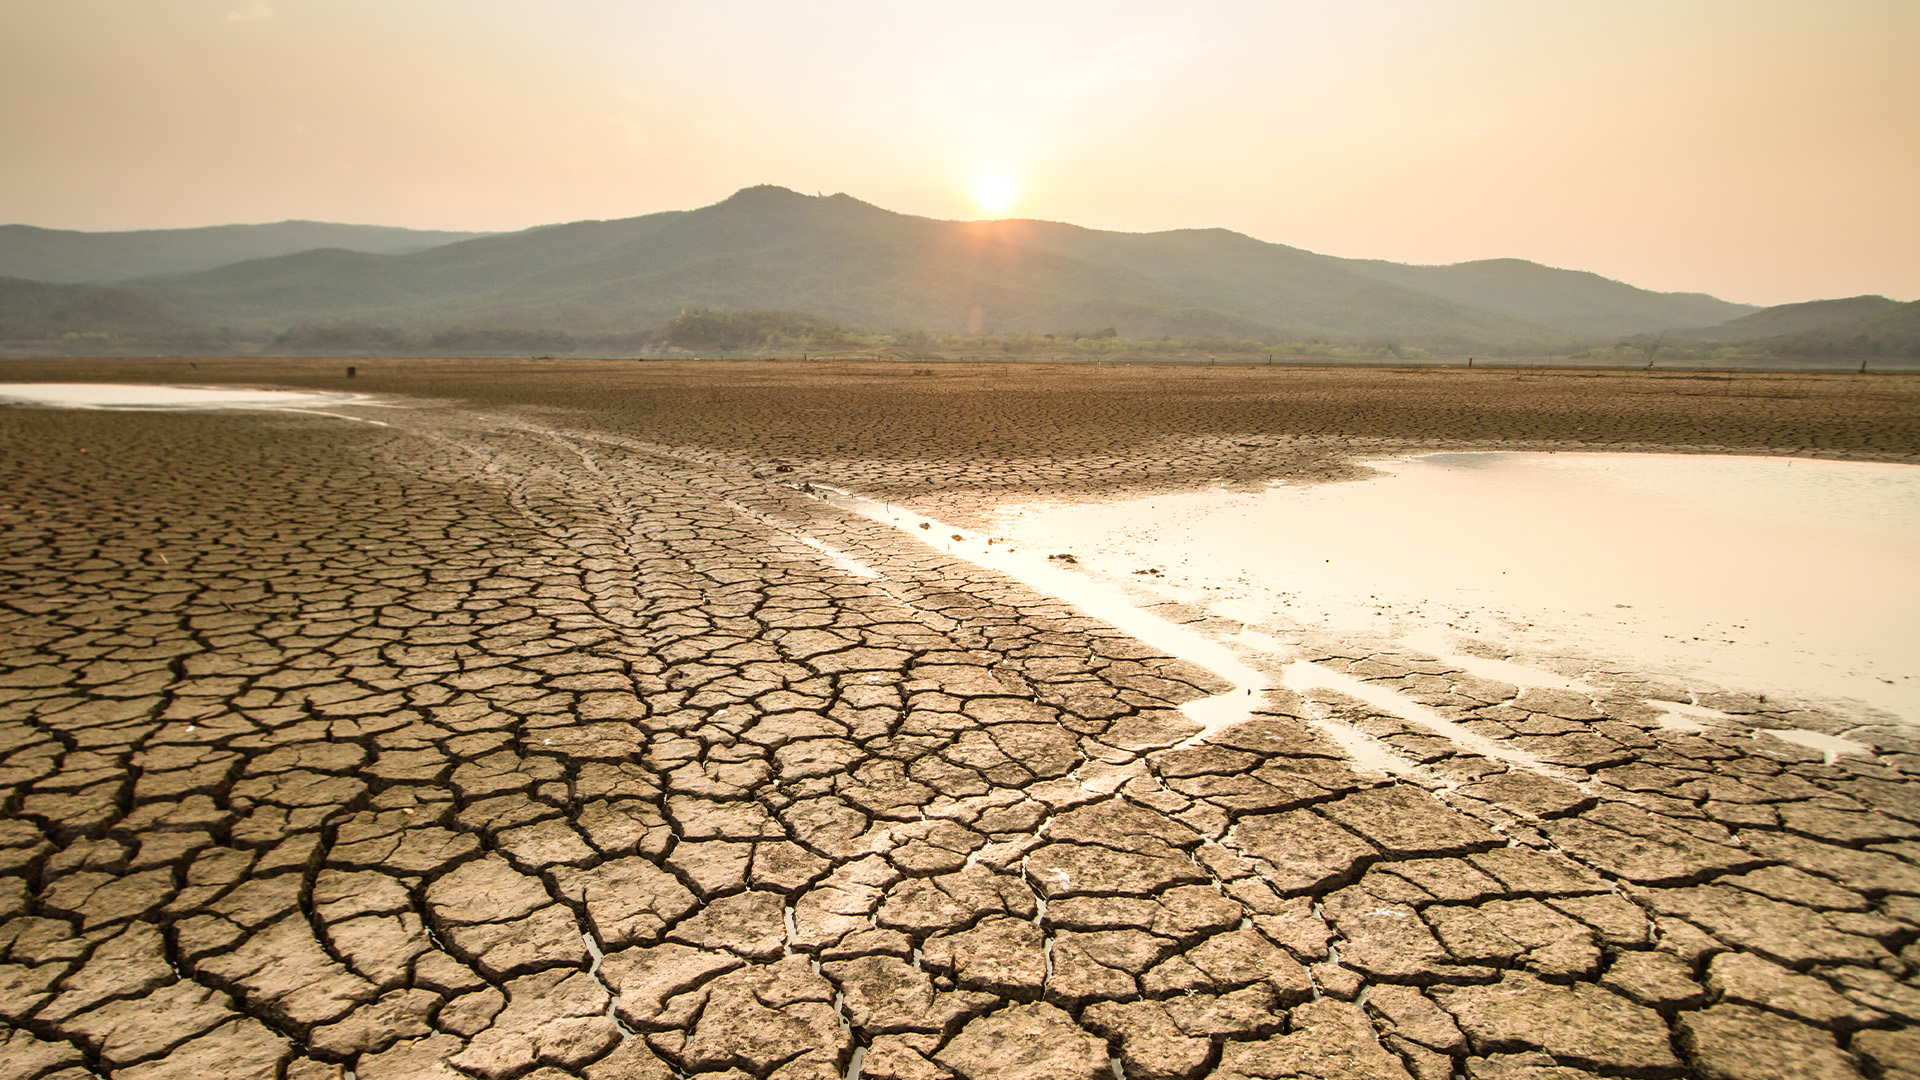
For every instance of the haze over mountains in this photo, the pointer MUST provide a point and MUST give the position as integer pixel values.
(841, 260)
(63, 256)
(1794, 318)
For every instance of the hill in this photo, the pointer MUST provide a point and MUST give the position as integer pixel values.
(36, 311)
(1790, 319)
(1892, 332)
(855, 264)
(1270, 289)
(1577, 302)
(66, 256)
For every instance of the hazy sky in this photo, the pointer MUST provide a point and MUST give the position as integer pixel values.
(1761, 150)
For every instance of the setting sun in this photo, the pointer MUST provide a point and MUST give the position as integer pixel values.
(994, 193)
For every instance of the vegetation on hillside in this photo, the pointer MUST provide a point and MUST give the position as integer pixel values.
(1786, 319)
(33, 310)
(1891, 333)
(66, 256)
(723, 334)
(843, 261)
(748, 331)
(1577, 302)
(770, 272)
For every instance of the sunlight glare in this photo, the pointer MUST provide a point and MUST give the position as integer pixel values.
(994, 193)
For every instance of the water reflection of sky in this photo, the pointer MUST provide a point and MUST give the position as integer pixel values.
(1784, 576)
(137, 396)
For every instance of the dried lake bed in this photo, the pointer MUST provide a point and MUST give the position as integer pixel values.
(600, 720)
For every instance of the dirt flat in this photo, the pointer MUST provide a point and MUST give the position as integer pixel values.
(548, 727)
(964, 417)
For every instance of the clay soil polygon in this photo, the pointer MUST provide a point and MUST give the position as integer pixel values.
(533, 730)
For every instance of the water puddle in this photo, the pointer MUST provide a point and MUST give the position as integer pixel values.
(1832, 746)
(1677, 716)
(1786, 577)
(135, 396)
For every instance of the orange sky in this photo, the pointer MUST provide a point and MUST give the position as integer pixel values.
(1760, 150)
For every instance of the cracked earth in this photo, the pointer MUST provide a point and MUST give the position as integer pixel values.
(489, 744)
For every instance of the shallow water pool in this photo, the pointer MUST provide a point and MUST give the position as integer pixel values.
(140, 396)
(1789, 577)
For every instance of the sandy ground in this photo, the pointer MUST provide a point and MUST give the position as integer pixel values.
(550, 727)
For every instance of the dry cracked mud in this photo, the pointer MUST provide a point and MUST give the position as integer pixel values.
(499, 741)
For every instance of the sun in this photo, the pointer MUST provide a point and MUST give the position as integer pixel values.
(994, 193)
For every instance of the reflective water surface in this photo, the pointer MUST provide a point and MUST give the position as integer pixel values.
(139, 396)
(1790, 577)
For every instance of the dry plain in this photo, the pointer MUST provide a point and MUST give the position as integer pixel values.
(539, 727)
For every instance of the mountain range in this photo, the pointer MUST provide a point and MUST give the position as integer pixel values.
(64, 256)
(844, 261)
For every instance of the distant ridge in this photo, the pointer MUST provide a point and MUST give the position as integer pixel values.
(844, 260)
(1576, 301)
(1892, 331)
(65, 256)
(835, 261)
(36, 310)
(1792, 319)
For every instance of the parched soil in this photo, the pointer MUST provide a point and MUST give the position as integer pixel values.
(1036, 425)
(551, 730)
